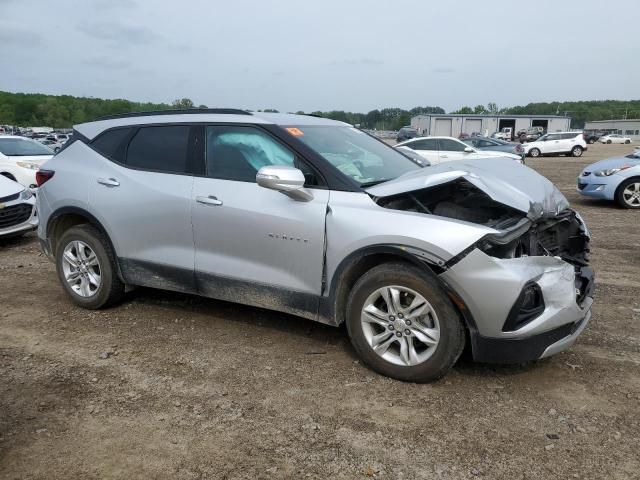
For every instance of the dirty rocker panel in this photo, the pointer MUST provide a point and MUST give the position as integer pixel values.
(166, 277)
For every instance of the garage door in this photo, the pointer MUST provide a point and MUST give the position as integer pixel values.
(443, 127)
(472, 125)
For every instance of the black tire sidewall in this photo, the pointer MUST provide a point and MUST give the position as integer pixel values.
(452, 336)
(91, 237)
(534, 150)
(578, 150)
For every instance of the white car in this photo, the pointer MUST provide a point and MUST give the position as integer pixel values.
(557, 143)
(20, 159)
(446, 149)
(17, 209)
(614, 138)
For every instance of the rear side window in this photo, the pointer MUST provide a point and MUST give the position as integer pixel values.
(111, 144)
(424, 144)
(162, 149)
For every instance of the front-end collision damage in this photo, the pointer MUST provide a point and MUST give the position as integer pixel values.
(529, 280)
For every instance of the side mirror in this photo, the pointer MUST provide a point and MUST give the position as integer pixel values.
(469, 150)
(285, 179)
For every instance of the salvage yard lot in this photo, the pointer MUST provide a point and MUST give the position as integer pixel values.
(174, 386)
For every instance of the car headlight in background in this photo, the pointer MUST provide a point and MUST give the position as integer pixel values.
(610, 171)
(26, 194)
(30, 165)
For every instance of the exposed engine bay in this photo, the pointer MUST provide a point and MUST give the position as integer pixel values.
(562, 235)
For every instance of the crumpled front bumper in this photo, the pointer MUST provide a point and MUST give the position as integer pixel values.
(489, 288)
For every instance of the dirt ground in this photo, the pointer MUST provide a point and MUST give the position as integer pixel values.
(192, 388)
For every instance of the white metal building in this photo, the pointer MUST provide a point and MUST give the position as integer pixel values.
(452, 125)
(629, 128)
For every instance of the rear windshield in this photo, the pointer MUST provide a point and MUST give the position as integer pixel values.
(365, 159)
(22, 147)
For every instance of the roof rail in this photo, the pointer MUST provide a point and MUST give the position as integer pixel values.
(222, 111)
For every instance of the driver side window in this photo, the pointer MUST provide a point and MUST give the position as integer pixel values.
(449, 145)
(238, 152)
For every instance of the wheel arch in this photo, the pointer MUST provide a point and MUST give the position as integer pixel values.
(66, 217)
(333, 304)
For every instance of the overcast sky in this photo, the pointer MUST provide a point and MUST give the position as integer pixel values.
(324, 54)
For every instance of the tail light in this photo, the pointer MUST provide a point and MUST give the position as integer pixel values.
(43, 176)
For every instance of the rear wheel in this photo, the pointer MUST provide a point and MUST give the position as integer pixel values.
(576, 151)
(627, 141)
(87, 269)
(403, 325)
(534, 152)
(608, 141)
(628, 193)
(591, 141)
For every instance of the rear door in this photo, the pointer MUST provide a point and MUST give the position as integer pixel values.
(426, 148)
(254, 245)
(142, 195)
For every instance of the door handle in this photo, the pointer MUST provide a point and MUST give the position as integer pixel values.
(210, 200)
(109, 182)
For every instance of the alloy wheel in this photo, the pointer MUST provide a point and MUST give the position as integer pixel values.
(81, 269)
(400, 325)
(631, 194)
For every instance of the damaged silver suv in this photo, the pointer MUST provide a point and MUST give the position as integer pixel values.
(316, 218)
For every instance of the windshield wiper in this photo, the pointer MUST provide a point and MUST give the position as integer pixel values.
(375, 182)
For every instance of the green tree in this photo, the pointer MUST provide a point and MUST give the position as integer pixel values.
(182, 104)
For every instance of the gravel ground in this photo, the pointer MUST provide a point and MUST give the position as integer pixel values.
(175, 386)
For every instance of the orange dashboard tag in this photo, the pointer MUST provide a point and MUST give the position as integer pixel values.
(296, 132)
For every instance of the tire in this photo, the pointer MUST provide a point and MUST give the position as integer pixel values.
(576, 151)
(629, 186)
(437, 317)
(78, 241)
(608, 141)
(534, 152)
(627, 142)
(591, 141)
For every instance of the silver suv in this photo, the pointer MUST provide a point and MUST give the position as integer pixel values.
(316, 218)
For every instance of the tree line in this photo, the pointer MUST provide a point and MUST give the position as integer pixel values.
(63, 111)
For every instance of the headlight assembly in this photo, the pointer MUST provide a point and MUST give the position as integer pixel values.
(26, 194)
(29, 165)
(610, 171)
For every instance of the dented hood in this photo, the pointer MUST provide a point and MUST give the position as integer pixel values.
(502, 179)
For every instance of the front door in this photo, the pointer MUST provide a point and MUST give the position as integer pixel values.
(426, 148)
(453, 150)
(254, 245)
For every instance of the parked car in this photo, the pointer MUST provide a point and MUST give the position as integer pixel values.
(446, 149)
(313, 217)
(614, 138)
(495, 145)
(17, 209)
(21, 157)
(505, 134)
(533, 133)
(592, 136)
(557, 143)
(405, 133)
(616, 178)
(52, 144)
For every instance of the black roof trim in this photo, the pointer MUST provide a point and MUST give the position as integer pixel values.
(189, 111)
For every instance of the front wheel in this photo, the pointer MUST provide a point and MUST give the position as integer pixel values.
(86, 268)
(608, 141)
(591, 141)
(534, 152)
(576, 151)
(403, 325)
(628, 193)
(627, 142)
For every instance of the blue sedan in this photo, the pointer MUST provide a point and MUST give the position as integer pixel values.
(616, 178)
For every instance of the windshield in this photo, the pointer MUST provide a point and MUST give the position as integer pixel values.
(356, 154)
(21, 147)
